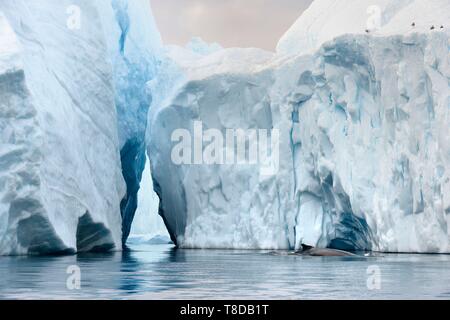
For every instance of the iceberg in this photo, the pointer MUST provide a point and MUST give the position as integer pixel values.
(60, 174)
(363, 118)
(73, 113)
(355, 102)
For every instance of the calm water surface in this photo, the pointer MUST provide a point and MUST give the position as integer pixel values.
(161, 272)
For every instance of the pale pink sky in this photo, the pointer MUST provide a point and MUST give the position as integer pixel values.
(232, 23)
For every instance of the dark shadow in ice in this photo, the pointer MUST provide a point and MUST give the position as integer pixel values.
(351, 234)
(133, 163)
(36, 233)
(93, 237)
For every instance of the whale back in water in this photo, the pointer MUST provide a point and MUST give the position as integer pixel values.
(317, 252)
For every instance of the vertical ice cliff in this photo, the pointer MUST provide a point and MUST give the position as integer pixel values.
(370, 121)
(201, 204)
(73, 113)
(363, 118)
(61, 183)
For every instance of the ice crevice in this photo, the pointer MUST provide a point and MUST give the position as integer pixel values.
(135, 60)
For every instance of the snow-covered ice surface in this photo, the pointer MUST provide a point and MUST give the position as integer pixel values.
(325, 20)
(73, 113)
(364, 122)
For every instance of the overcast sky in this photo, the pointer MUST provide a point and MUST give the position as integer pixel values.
(232, 23)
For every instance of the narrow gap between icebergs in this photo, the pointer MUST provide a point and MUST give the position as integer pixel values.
(148, 227)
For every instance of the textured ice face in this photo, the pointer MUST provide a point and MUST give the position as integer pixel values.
(371, 141)
(364, 145)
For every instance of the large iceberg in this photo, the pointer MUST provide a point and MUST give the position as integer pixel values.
(60, 165)
(355, 104)
(73, 110)
(363, 120)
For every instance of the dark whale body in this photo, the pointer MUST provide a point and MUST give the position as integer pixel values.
(317, 252)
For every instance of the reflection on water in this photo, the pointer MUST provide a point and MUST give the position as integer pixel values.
(162, 272)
